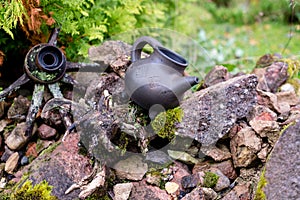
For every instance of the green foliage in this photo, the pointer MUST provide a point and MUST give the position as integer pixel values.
(164, 123)
(88, 22)
(27, 191)
(11, 14)
(210, 179)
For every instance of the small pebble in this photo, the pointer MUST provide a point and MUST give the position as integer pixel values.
(171, 187)
(24, 160)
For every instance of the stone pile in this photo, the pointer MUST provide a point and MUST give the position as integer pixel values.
(220, 150)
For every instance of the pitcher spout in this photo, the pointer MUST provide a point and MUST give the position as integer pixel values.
(183, 84)
(192, 80)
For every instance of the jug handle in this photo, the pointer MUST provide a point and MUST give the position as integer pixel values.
(140, 43)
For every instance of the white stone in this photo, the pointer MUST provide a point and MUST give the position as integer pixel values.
(122, 191)
(171, 187)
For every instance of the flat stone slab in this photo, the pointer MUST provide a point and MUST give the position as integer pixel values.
(283, 168)
(210, 113)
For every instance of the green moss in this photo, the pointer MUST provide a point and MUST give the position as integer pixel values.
(260, 194)
(27, 191)
(293, 72)
(293, 67)
(198, 86)
(164, 123)
(123, 142)
(210, 179)
(50, 148)
(44, 76)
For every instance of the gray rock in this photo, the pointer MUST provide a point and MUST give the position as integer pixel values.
(19, 108)
(182, 156)
(283, 167)
(131, 168)
(244, 147)
(210, 113)
(17, 138)
(122, 191)
(115, 54)
(192, 181)
(158, 157)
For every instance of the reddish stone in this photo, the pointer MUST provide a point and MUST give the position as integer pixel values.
(226, 168)
(239, 192)
(141, 190)
(61, 167)
(46, 132)
(31, 150)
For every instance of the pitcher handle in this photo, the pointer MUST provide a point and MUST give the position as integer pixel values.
(140, 43)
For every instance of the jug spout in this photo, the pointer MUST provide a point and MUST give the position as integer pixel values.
(183, 84)
(192, 80)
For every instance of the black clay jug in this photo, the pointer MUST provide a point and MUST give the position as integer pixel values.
(158, 78)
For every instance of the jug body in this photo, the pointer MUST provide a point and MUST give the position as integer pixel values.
(157, 79)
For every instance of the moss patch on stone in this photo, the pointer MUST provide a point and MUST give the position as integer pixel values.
(164, 123)
(210, 179)
(41, 191)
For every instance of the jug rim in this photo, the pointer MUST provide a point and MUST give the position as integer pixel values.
(172, 56)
